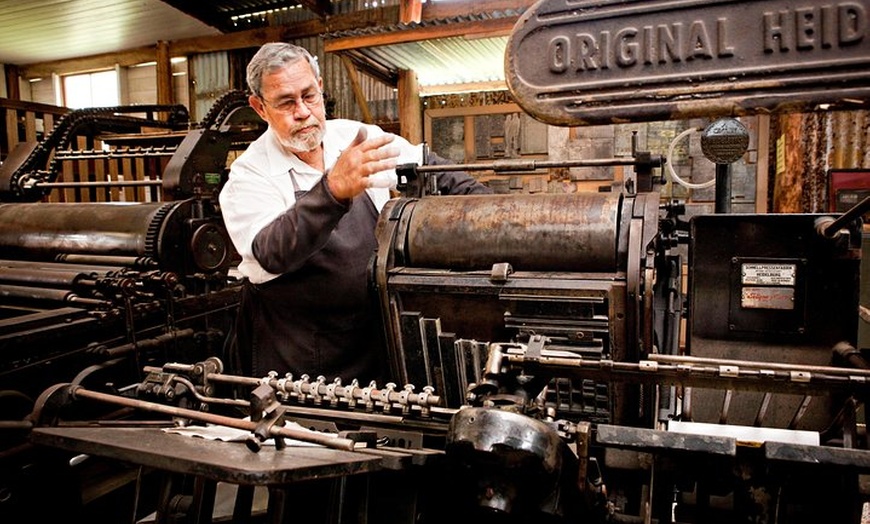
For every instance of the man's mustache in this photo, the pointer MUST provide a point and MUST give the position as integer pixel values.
(308, 123)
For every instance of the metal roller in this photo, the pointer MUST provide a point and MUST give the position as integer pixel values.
(37, 277)
(537, 232)
(98, 228)
(171, 236)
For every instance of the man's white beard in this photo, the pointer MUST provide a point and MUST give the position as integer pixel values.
(302, 143)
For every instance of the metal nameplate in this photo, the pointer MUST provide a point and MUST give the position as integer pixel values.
(768, 274)
(593, 62)
(767, 298)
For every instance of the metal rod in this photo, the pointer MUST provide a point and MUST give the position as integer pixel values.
(47, 294)
(801, 410)
(93, 154)
(651, 372)
(723, 188)
(65, 279)
(762, 410)
(726, 406)
(107, 183)
(211, 418)
(155, 342)
(108, 260)
(684, 359)
(856, 211)
(42, 265)
(324, 392)
(530, 165)
(16, 424)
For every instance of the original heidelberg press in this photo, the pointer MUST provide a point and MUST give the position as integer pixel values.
(113, 255)
(578, 357)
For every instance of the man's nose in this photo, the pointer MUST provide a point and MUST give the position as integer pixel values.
(301, 111)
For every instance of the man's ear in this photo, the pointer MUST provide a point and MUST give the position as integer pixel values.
(257, 104)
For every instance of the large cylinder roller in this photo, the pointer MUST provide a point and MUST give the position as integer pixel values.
(172, 235)
(537, 232)
(96, 229)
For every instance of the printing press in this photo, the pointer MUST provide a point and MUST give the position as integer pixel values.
(565, 358)
(533, 384)
(113, 254)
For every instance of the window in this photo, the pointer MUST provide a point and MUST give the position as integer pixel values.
(91, 90)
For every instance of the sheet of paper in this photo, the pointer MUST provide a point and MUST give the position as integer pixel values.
(228, 434)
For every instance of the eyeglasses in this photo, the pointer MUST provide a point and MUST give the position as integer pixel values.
(289, 105)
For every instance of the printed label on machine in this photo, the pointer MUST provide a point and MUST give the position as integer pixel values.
(767, 298)
(768, 274)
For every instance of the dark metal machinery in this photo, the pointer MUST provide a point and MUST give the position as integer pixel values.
(91, 289)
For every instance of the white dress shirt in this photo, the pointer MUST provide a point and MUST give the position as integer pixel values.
(259, 188)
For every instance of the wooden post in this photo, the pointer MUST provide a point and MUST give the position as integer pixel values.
(410, 11)
(357, 89)
(410, 116)
(13, 92)
(788, 183)
(164, 74)
(762, 166)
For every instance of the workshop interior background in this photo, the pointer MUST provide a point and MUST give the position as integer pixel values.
(469, 115)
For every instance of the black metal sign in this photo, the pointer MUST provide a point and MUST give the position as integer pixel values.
(591, 62)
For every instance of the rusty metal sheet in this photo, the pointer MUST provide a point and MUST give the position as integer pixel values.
(593, 62)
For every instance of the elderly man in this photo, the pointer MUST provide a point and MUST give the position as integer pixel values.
(301, 205)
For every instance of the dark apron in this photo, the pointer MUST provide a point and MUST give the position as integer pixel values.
(321, 319)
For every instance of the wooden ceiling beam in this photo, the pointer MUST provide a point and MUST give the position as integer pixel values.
(442, 10)
(378, 71)
(476, 29)
(469, 87)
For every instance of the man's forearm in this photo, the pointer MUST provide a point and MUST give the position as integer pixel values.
(289, 240)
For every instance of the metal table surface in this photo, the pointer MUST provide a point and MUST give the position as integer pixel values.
(230, 462)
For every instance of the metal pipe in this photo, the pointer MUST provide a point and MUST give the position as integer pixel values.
(856, 211)
(108, 260)
(106, 183)
(155, 342)
(530, 165)
(211, 418)
(850, 354)
(36, 277)
(684, 359)
(792, 381)
(723, 188)
(48, 294)
(41, 265)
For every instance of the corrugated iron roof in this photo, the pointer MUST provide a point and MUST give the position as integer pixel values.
(48, 30)
(446, 61)
(443, 64)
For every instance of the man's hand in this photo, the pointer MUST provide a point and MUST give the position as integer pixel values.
(349, 176)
